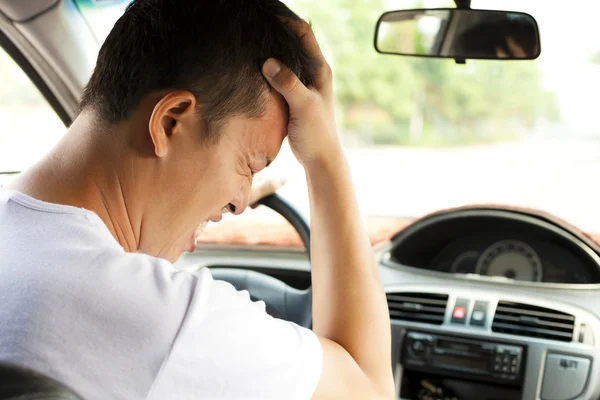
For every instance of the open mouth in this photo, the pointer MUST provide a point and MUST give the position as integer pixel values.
(194, 237)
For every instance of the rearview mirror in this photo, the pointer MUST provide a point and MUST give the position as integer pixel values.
(458, 33)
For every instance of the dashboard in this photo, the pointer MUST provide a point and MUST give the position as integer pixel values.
(484, 304)
(500, 245)
(513, 258)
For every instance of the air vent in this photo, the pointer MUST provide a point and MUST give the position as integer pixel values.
(525, 320)
(427, 308)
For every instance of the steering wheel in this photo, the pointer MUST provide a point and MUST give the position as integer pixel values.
(282, 300)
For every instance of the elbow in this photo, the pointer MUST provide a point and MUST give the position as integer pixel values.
(389, 394)
(386, 390)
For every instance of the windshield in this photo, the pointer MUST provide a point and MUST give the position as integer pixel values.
(427, 134)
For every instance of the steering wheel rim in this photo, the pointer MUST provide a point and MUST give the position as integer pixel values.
(282, 300)
(289, 212)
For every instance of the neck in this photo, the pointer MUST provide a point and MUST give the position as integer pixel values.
(83, 171)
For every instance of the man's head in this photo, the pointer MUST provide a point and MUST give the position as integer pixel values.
(184, 78)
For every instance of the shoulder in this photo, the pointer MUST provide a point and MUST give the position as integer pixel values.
(231, 348)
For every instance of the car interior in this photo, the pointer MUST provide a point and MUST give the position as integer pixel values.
(486, 301)
(20, 383)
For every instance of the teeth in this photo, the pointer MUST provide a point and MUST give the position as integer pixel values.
(201, 228)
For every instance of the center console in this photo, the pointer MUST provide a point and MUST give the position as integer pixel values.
(477, 345)
(440, 366)
(464, 358)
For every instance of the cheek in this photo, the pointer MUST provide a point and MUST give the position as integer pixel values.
(221, 182)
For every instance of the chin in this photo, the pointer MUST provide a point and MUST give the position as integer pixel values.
(172, 257)
(172, 253)
(186, 244)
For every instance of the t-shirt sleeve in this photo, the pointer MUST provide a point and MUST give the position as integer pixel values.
(228, 347)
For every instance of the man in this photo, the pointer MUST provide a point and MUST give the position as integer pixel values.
(188, 100)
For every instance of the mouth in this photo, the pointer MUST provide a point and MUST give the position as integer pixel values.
(197, 232)
(191, 246)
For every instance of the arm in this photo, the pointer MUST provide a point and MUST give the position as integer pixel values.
(349, 307)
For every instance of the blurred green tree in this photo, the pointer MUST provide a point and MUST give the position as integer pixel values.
(596, 58)
(403, 100)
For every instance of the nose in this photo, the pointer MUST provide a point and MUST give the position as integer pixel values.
(216, 217)
(240, 201)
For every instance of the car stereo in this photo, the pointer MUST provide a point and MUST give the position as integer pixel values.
(463, 358)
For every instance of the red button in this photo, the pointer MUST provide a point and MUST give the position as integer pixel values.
(459, 312)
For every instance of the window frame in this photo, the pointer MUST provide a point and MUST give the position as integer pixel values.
(34, 76)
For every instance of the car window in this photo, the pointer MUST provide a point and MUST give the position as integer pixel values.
(29, 124)
(424, 134)
(101, 15)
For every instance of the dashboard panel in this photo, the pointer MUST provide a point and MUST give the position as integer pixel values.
(515, 257)
(498, 244)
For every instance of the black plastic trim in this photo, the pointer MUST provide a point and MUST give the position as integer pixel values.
(586, 245)
(451, 58)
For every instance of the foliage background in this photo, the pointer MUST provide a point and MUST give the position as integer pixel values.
(395, 100)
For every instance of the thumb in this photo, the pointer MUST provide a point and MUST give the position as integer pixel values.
(282, 79)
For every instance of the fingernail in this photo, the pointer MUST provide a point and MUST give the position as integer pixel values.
(271, 67)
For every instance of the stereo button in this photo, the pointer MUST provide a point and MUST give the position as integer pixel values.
(418, 347)
(460, 311)
(478, 317)
(565, 377)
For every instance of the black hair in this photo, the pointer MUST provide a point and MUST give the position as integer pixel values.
(213, 48)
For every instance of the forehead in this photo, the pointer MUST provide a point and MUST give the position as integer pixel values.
(262, 136)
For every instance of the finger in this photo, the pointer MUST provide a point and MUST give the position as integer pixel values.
(310, 44)
(307, 37)
(282, 79)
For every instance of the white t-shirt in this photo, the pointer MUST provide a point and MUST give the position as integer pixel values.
(115, 325)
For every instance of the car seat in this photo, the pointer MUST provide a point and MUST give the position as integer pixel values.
(17, 383)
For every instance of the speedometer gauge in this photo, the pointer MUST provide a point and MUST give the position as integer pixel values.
(465, 263)
(512, 259)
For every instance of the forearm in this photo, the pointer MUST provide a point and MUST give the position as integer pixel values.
(349, 305)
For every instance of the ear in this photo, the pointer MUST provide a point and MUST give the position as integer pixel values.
(167, 114)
